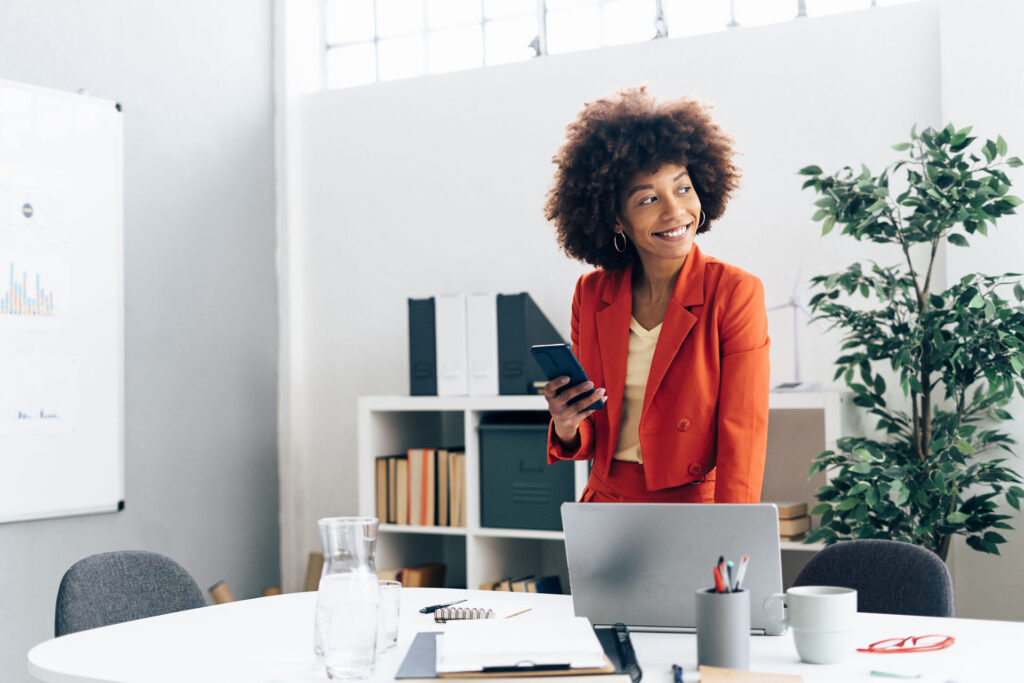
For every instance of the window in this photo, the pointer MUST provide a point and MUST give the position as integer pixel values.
(381, 40)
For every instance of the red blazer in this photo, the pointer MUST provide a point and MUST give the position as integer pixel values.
(705, 410)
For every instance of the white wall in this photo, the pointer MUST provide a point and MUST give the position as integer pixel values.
(982, 86)
(436, 184)
(195, 80)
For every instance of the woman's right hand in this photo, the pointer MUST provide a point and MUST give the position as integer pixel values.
(566, 417)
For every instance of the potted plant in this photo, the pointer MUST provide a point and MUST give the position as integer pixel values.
(958, 354)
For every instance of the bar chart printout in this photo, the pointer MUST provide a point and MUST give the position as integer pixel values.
(25, 294)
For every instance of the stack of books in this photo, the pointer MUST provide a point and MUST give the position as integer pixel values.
(793, 521)
(423, 487)
(526, 584)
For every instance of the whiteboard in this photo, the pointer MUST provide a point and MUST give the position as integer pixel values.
(61, 304)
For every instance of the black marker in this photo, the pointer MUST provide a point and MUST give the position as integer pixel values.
(433, 608)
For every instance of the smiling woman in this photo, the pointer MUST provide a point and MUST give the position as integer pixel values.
(676, 341)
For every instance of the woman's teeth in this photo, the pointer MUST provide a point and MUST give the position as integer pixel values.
(676, 232)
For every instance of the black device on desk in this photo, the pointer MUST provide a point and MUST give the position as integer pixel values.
(558, 360)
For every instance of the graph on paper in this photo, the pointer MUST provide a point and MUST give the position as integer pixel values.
(26, 293)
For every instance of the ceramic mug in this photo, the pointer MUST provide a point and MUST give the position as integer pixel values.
(821, 618)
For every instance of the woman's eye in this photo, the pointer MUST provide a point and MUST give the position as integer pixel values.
(683, 190)
(646, 200)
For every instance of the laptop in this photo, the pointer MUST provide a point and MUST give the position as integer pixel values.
(641, 563)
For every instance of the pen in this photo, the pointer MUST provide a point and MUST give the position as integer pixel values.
(719, 582)
(677, 674)
(741, 572)
(730, 573)
(721, 569)
(430, 609)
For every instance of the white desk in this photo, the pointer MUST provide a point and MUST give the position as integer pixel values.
(270, 640)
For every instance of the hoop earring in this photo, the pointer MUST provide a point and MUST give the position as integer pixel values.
(615, 242)
(703, 220)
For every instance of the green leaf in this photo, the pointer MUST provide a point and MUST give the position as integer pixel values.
(1018, 291)
(993, 537)
(848, 504)
(1001, 146)
(858, 489)
(820, 508)
(827, 226)
(989, 150)
(958, 239)
(1017, 365)
(976, 302)
(810, 170)
(1014, 162)
(819, 214)
(956, 517)
(901, 146)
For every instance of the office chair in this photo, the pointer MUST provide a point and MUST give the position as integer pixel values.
(890, 577)
(109, 588)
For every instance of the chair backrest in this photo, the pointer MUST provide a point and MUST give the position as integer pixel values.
(890, 577)
(109, 588)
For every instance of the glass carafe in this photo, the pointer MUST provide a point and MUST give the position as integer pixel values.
(348, 600)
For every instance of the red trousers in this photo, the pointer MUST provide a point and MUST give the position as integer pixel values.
(625, 484)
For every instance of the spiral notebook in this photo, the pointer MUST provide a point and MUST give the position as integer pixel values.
(473, 610)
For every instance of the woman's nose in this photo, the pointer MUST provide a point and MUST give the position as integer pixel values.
(673, 206)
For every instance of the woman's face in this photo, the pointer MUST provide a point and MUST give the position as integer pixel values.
(659, 213)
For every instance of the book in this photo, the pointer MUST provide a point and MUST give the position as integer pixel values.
(420, 665)
(426, 575)
(521, 324)
(457, 502)
(314, 568)
(482, 343)
(402, 490)
(790, 510)
(393, 489)
(422, 348)
(450, 335)
(443, 488)
(519, 585)
(422, 487)
(545, 584)
(476, 610)
(792, 527)
(382, 489)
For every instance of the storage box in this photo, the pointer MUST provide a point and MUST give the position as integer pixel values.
(518, 489)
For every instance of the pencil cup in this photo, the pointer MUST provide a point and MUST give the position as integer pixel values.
(723, 629)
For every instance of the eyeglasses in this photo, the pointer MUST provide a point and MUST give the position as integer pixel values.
(928, 643)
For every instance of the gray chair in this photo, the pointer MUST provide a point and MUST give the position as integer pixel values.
(109, 588)
(890, 577)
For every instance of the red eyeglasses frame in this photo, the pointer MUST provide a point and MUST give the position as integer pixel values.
(896, 645)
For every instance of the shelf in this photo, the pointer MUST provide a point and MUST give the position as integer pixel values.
(800, 545)
(417, 529)
(540, 534)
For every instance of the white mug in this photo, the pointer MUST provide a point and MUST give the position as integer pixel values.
(821, 618)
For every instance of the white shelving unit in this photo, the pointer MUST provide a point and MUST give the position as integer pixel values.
(800, 426)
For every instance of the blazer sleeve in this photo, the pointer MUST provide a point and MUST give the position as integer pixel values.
(586, 448)
(743, 399)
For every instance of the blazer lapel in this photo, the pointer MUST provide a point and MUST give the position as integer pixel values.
(688, 291)
(613, 341)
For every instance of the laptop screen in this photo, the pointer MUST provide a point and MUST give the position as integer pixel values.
(642, 563)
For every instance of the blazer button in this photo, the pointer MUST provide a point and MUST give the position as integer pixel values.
(683, 424)
(695, 469)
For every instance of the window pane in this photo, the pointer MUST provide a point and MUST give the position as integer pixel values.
(351, 65)
(820, 7)
(754, 12)
(454, 49)
(452, 13)
(499, 9)
(628, 21)
(399, 17)
(348, 21)
(570, 30)
(508, 40)
(691, 17)
(400, 57)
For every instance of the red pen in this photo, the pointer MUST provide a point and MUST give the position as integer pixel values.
(719, 582)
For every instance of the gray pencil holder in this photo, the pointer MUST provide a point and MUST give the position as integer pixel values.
(723, 629)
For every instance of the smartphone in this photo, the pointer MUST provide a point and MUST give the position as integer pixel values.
(558, 360)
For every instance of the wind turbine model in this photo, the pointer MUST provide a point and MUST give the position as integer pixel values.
(796, 303)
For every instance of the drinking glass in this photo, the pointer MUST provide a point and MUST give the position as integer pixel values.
(390, 599)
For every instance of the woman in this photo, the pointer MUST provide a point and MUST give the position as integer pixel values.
(676, 341)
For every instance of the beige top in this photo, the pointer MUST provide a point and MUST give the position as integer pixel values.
(639, 355)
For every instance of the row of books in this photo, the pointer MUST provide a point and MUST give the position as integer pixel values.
(476, 344)
(794, 523)
(423, 487)
(526, 584)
